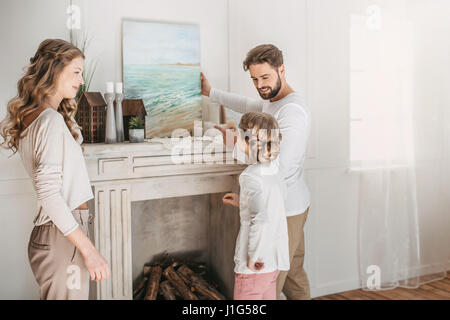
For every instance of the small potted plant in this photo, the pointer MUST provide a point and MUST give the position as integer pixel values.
(136, 130)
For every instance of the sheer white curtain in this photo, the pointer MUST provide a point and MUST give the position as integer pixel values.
(400, 101)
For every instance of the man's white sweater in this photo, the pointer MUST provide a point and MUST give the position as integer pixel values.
(294, 120)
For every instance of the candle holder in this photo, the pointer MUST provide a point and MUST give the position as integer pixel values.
(119, 118)
(111, 134)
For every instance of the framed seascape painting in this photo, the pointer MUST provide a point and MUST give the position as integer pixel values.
(161, 66)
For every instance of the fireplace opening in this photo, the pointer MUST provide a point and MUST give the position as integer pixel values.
(169, 278)
(194, 236)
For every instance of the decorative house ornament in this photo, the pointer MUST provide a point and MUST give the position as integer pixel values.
(132, 108)
(91, 116)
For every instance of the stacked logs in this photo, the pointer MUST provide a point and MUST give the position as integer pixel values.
(175, 281)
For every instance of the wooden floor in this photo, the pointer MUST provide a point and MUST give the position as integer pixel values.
(436, 290)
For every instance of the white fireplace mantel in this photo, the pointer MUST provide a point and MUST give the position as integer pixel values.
(122, 173)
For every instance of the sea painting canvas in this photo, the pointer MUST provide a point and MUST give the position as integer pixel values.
(161, 66)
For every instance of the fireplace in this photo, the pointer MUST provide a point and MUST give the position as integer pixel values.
(179, 229)
(146, 205)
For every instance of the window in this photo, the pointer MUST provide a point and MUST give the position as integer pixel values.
(380, 85)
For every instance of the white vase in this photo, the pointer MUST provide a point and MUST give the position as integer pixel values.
(110, 134)
(119, 118)
(136, 135)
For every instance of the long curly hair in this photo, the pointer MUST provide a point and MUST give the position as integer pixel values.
(39, 83)
(262, 133)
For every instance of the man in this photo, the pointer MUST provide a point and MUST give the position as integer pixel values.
(267, 71)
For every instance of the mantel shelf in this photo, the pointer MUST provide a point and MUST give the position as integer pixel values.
(156, 147)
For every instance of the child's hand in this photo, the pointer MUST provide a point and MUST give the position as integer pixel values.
(232, 199)
(255, 265)
(232, 136)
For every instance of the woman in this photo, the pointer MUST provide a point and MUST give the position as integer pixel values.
(40, 126)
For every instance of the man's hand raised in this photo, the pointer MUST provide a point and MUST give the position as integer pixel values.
(206, 87)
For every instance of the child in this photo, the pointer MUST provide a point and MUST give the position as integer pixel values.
(262, 243)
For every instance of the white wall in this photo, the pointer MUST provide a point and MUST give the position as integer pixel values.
(24, 25)
(102, 19)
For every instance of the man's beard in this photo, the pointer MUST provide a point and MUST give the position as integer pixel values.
(272, 93)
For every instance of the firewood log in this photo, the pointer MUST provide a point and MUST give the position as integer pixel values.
(179, 284)
(153, 283)
(167, 290)
(185, 280)
(200, 285)
(140, 288)
(197, 267)
(147, 270)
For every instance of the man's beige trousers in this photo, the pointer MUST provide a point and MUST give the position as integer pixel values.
(56, 263)
(294, 283)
